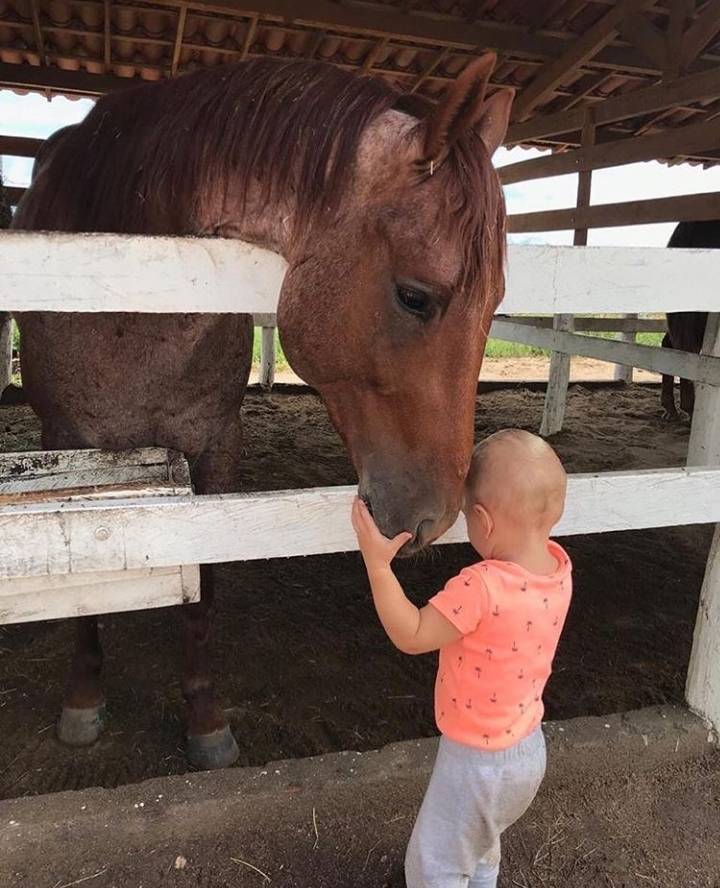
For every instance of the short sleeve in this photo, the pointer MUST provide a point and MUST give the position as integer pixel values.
(463, 600)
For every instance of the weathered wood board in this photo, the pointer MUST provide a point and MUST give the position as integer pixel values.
(56, 479)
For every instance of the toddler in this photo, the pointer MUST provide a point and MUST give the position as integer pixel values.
(497, 626)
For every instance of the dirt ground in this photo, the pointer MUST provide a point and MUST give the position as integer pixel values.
(628, 802)
(303, 667)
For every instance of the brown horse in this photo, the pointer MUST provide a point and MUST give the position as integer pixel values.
(686, 329)
(391, 219)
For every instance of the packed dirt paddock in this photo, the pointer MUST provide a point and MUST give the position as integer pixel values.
(302, 665)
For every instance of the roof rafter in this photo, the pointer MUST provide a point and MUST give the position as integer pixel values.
(555, 73)
(701, 32)
(649, 40)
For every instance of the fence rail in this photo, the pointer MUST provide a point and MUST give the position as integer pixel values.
(134, 534)
(100, 272)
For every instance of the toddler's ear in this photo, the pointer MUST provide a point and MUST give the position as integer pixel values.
(486, 522)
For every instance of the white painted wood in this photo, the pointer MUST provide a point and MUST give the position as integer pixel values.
(102, 272)
(628, 324)
(99, 272)
(558, 380)
(77, 537)
(702, 688)
(624, 372)
(5, 351)
(702, 368)
(704, 446)
(77, 595)
(58, 478)
(267, 357)
(581, 324)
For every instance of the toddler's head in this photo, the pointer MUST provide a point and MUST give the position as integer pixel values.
(515, 492)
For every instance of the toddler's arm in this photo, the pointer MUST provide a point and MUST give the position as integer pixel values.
(412, 630)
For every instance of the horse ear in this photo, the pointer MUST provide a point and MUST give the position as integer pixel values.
(494, 118)
(459, 109)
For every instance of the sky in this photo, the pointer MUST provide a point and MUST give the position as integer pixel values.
(33, 115)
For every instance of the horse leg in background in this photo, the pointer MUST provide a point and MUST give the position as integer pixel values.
(687, 396)
(667, 394)
(210, 743)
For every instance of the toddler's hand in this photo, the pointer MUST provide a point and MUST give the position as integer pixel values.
(377, 550)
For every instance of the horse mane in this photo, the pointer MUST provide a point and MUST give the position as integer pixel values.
(145, 158)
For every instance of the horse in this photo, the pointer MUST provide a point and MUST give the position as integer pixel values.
(686, 329)
(392, 220)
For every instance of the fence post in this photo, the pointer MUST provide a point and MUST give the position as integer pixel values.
(559, 376)
(704, 446)
(5, 350)
(702, 689)
(624, 373)
(558, 379)
(267, 357)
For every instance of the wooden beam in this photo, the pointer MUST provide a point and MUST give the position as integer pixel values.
(434, 64)
(37, 31)
(701, 32)
(688, 208)
(107, 41)
(680, 12)
(154, 532)
(581, 51)
(685, 140)
(19, 146)
(684, 90)
(70, 82)
(700, 368)
(249, 37)
(177, 46)
(373, 55)
(649, 40)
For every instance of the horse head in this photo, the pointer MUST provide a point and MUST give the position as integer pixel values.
(387, 301)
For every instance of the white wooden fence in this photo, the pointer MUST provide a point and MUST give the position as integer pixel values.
(120, 273)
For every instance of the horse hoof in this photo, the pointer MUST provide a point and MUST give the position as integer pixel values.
(215, 750)
(670, 416)
(80, 727)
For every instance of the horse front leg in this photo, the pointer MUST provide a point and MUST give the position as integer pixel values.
(82, 716)
(83, 712)
(210, 743)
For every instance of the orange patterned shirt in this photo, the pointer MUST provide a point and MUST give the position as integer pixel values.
(489, 686)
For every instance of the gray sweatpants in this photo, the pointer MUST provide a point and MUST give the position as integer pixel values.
(473, 797)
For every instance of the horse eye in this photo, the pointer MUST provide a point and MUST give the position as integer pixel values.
(415, 302)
